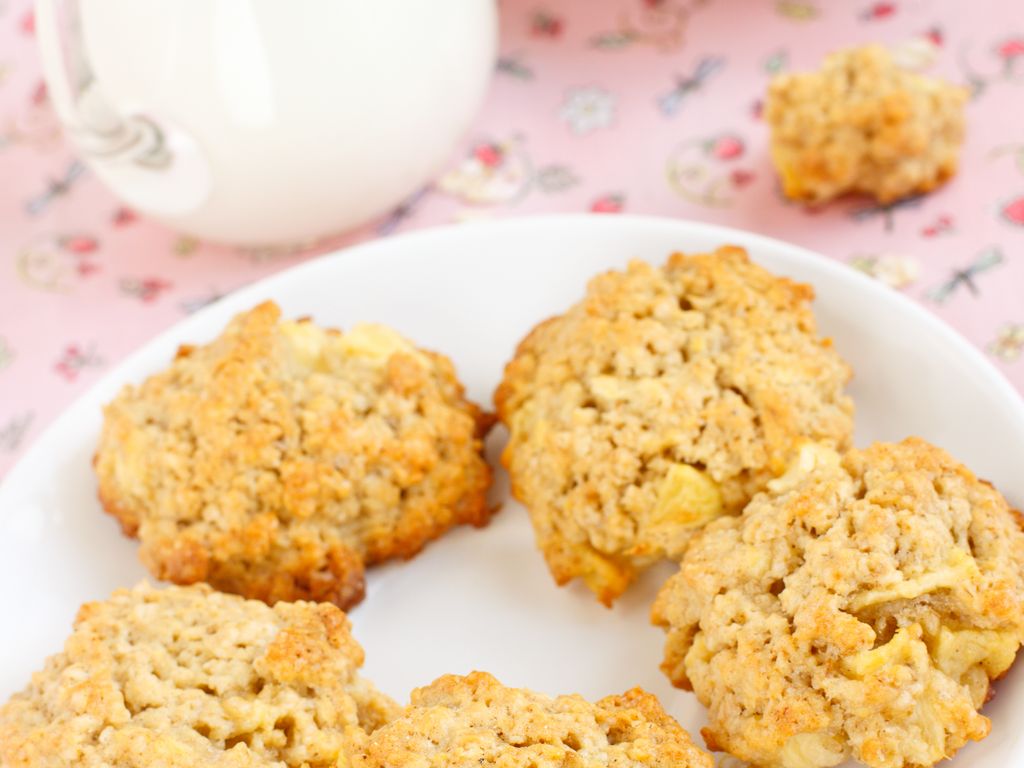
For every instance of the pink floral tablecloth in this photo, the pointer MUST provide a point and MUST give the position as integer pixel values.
(643, 106)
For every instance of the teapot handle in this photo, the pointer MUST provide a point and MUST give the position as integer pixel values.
(98, 130)
(151, 165)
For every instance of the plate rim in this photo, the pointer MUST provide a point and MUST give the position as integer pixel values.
(255, 290)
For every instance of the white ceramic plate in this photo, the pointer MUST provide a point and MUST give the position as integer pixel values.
(482, 599)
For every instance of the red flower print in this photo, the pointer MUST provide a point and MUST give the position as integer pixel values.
(74, 359)
(879, 11)
(123, 217)
(1011, 48)
(39, 94)
(489, 155)
(1013, 211)
(81, 247)
(152, 287)
(28, 23)
(936, 35)
(611, 203)
(147, 289)
(740, 177)
(545, 25)
(726, 147)
(79, 244)
(942, 225)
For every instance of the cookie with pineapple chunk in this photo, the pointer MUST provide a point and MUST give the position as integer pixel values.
(280, 459)
(187, 677)
(473, 721)
(666, 397)
(860, 607)
(863, 124)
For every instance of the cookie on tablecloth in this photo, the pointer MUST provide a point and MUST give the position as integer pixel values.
(863, 124)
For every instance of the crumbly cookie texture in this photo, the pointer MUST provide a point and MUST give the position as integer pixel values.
(859, 607)
(278, 460)
(667, 397)
(472, 721)
(187, 677)
(863, 124)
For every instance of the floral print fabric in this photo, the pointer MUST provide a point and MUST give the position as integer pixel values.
(640, 106)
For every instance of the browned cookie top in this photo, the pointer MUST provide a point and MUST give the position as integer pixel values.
(858, 608)
(187, 677)
(280, 458)
(473, 721)
(666, 397)
(863, 124)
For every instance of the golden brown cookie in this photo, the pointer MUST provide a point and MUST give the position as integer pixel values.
(665, 398)
(474, 721)
(187, 677)
(863, 124)
(858, 608)
(278, 460)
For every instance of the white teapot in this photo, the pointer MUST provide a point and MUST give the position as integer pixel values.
(264, 121)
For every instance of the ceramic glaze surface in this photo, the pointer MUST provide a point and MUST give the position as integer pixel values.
(285, 122)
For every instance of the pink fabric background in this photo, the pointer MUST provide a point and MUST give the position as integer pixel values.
(583, 115)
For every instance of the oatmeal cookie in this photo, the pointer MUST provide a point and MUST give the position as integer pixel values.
(668, 396)
(860, 607)
(863, 124)
(473, 721)
(278, 460)
(187, 677)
